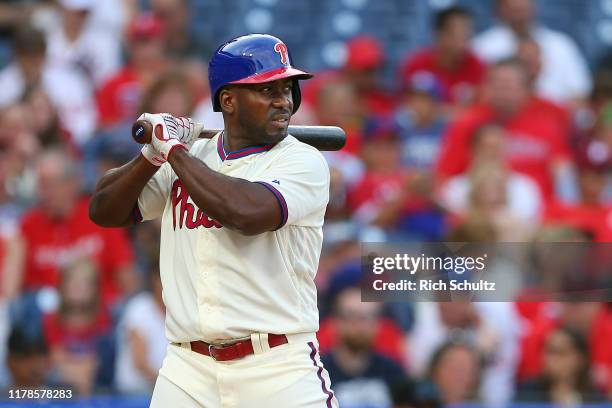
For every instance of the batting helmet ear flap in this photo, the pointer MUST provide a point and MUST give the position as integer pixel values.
(252, 59)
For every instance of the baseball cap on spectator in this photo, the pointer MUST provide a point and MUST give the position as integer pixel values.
(145, 26)
(364, 53)
(116, 148)
(381, 129)
(77, 4)
(424, 82)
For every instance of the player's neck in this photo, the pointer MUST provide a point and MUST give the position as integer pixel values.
(236, 140)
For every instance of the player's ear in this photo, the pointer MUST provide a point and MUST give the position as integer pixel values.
(227, 100)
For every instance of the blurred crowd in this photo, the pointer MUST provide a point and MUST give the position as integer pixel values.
(500, 136)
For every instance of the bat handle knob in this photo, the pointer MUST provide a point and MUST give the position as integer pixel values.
(142, 131)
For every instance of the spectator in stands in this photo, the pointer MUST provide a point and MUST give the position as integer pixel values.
(169, 93)
(421, 121)
(389, 338)
(537, 139)
(119, 97)
(337, 269)
(58, 230)
(488, 198)
(361, 377)
(529, 53)
(449, 59)
(75, 330)
(392, 197)
(590, 320)
(566, 375)
(593, 211)
(146, 244)
(13, 14)
(338, 104)
(75, 43)
(456, 369)
(564, 77)
(11, 211)
(45, 120)
(25, 71)
(365, 59)
(181, 42)
(490, 189)
(21, 148)
(494, 329)
(338, 187)
(28, 360)
(197, 74)
(67, 89)
(141, 343)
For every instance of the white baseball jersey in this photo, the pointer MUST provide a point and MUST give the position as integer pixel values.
(219, 284)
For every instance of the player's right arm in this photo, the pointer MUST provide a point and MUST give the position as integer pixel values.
(116, 194)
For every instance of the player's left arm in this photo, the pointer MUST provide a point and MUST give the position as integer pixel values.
(238, 204)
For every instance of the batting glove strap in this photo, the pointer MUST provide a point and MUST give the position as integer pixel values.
(166, 147)
(149, 153)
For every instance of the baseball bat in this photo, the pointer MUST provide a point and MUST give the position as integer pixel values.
(326, 138)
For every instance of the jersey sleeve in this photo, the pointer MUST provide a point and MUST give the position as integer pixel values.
(299, 179)
(154, 195)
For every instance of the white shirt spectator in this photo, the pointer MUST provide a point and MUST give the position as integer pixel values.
(564, 75)
(111, 16)
(69, 92)
(145, 317)
(97, 53)
(524, 197)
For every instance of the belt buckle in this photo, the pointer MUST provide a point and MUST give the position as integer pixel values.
(211, 347)
(220, 346)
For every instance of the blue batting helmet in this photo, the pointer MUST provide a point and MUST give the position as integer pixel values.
(252, 59)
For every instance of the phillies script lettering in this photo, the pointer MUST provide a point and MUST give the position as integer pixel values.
(187, 211)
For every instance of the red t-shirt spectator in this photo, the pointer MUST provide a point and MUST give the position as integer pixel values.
(51, 244)
(595, 219)
(375, 189)
(537, 136)
(119, 97)
(459, 85)
(76, 340)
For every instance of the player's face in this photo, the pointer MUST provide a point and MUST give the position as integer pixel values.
(265, 109)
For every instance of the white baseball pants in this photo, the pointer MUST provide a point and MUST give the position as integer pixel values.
(288, 376)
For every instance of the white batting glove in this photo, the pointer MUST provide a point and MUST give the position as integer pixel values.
(169, 133)
(188, 130)
(149, 153)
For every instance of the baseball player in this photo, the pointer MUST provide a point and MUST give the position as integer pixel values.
(241, 235)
